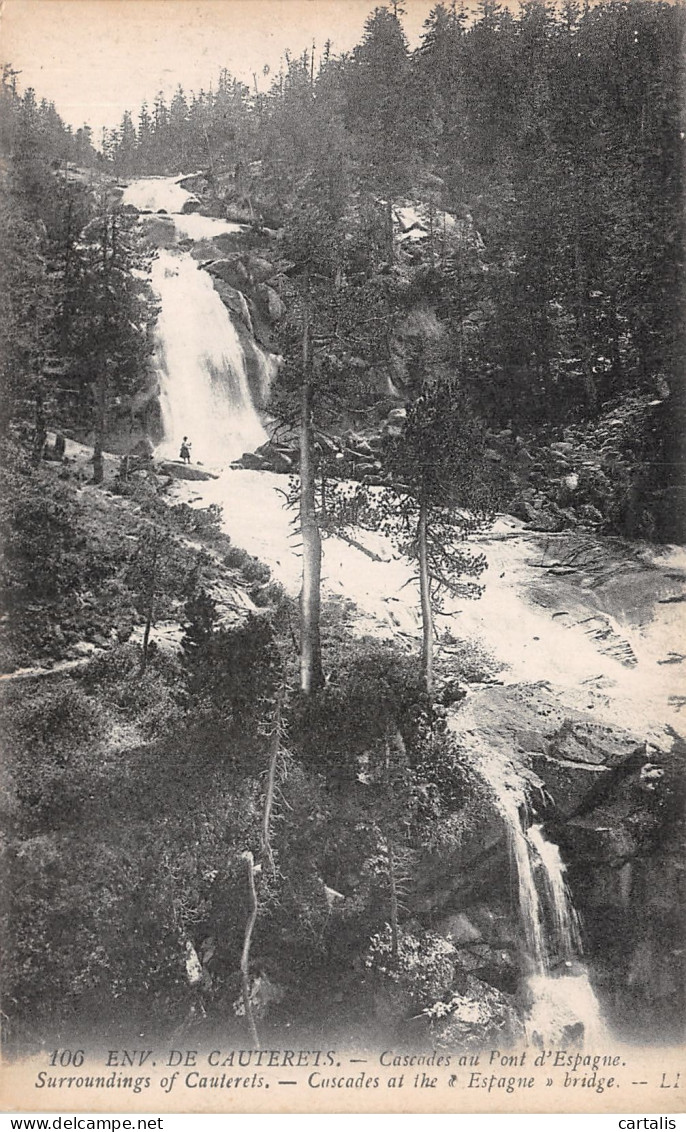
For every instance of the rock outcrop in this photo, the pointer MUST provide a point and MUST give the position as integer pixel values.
(574, 756)
(181, 471)
(235, 301)
(615, 805)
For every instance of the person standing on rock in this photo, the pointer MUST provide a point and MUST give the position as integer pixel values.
(185, 452)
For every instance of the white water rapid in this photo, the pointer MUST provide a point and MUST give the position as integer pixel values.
(534, 626)
(204, 389)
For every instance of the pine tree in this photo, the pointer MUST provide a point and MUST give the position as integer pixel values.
(124, 157)
(27, 305)
(440, 494)
(378, 112)
(109, 333)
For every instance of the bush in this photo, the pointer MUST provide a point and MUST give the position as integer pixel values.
(57, 720)
(255, 571)
(469, 662)
(49, 734)
(371, 685)
(251, 568)
(236, 557)
(75, 567)
(204, 522)
(151, 700)
(271, 594)
(44, 551)
(231, 673)
(424, 969)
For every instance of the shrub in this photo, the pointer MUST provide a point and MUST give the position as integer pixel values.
(271, 594)
(255, 571)
(44, 552)
(231, 672)
(236, 557)
(150, 700)
(372, 685)
(48, 735)
(204, 522)
(57, 720)
(424, 969)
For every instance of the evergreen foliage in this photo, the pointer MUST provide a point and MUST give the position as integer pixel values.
(545, 297)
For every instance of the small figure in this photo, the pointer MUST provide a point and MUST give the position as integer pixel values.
(185, 452)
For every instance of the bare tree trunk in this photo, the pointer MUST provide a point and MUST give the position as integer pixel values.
(393, 892)
(40, 435)
(393, 736)
(151, 608)
(311, 675)
(425, 597)
(274, 752)
(100, 426)
(146, 633)
(583, 324)
(245, 956)
(389, 229)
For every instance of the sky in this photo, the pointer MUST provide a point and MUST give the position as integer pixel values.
(96, 58)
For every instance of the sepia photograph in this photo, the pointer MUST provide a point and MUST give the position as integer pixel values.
(343, 556)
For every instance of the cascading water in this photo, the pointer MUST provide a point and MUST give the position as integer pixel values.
(564, 920)
(204, 389)
(204, 394)
(561, 1000)
(152, 194)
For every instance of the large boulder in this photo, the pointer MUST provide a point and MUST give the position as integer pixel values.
(160, 231)
(181, 471)
(261, 322)
(234, 301)
(537, 518)
(229, 243)
(260, 269)
(477, 1015)
(252, 462)
(280, 457)
(573, 754)
(203, 251)
(238, 213)
(626, 871)
(230, 270)
(195, 183)
(271, 301)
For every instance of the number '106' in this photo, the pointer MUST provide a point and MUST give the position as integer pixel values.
(67, 1057)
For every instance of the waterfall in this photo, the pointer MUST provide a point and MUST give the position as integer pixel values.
(564, 920)
(155, 193)
(204, 392)
(204, 389)
(561, 1002)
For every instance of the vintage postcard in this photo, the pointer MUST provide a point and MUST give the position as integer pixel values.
(342, 556)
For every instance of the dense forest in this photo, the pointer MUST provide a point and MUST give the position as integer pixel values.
(566, 300)
(207, 832)
(563, 303)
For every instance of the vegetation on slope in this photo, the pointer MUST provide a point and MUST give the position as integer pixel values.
(130, 794)
(545, 293)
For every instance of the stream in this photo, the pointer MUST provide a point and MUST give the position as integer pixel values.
(602, 645)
